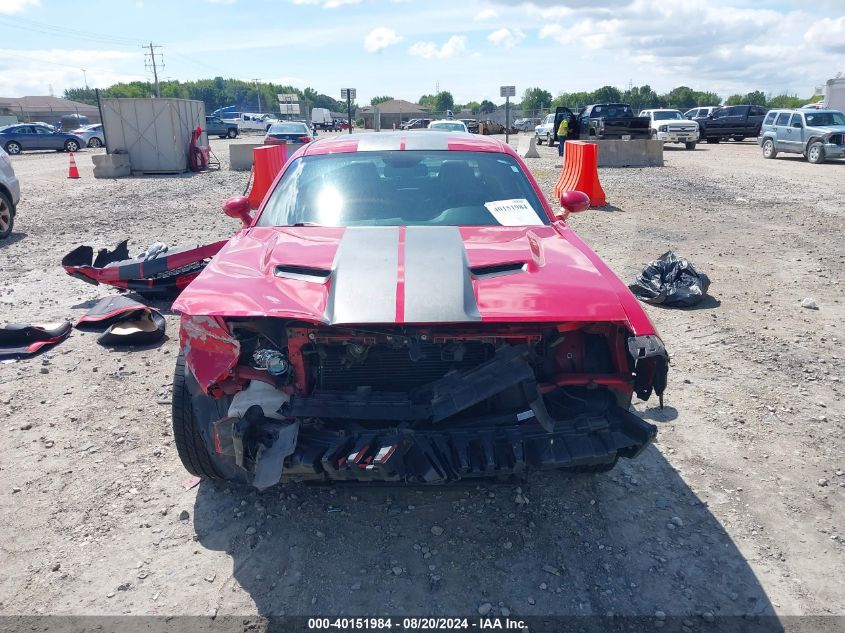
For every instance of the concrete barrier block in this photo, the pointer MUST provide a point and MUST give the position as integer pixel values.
(111, 165)
(240, 155)
(528, 147)
(633, 153)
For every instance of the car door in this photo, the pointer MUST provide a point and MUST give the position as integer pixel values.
(795, 133)
(732, 123)
(45, 138)
(781, 129)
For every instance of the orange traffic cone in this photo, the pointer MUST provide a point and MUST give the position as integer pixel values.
(72, 171)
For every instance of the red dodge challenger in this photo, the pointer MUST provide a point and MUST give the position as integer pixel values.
(408, 307)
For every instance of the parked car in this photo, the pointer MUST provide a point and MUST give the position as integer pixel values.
(736, 122)
(215, 126)
(362, 327)
(490, 127)
(250, 121)
(25, 137)
(610, 121)
(700, 113)
(670, 126)
(544, 131)
(91, 135)
(817, 134)
(472, 125)
(288, 132)
(449, 125)
(526, 124)
(10, 195)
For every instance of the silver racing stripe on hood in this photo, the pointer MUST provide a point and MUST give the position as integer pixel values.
(364, 275)
(438, 286)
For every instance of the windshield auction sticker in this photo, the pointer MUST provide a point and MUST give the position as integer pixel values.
(515, 212)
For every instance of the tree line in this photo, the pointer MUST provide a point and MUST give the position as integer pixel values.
(214, 93)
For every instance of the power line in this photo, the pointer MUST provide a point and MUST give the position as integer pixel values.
(64, 31)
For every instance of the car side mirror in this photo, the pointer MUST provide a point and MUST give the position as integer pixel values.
(238, 207)
(572, 202)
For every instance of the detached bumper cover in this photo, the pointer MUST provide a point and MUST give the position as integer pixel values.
(443, 456)
(832, 150)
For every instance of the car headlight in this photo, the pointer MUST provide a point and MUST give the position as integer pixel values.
(663, 128)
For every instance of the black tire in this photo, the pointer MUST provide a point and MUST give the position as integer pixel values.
(539, 140)
(232, 133)
(769, 150)
(714, 140)
(815, 153)
(95, 142)
(738, 139)
(691, 144)
(7, 216)
(653, 135)
(13, 148)
(190, 445)
(71, 146)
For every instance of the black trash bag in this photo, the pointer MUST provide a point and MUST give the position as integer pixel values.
(671, 281)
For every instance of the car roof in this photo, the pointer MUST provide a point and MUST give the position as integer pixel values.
(398, 141)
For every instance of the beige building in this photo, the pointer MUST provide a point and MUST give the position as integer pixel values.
(390, 113)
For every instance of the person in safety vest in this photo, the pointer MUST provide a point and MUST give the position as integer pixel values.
(562, 133)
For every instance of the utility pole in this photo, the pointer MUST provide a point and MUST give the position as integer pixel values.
(84, 78)
(258, 92)
(152, 64)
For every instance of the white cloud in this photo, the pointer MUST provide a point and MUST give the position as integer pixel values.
(16, 6)
(827, 34)
(487, 14)
(429, 50)
(380, 38)
(506, 38)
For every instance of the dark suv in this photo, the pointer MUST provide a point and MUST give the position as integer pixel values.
(215, 126)
(737, 122)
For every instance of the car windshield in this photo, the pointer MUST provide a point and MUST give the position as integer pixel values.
(454, 127)
(288, 128)
(824, 118)
(665, 116)
(405, 188)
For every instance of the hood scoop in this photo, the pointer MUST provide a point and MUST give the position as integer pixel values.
(303, 273)
(498, 270)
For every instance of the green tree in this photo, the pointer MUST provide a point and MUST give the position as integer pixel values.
(443, 101)
(427, 101)
(786, 101)
(708, 99)
(486, 107)
(535, 99)
(681, 98)
(377, 100)
(735, 100)
(573, 100)
(473, 106)
(641, 97)
(606, 94)
(751, 98)
(81, 95)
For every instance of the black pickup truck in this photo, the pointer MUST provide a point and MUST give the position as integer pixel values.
(611, 121)
(737, 122)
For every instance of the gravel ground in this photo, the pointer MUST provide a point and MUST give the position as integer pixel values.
(736, 510)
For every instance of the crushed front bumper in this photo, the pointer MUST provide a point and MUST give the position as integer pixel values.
(831, 150)
(447, 455)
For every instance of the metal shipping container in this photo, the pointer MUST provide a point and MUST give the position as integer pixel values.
(156, 133)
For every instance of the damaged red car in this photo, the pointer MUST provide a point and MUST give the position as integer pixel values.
(409, 307)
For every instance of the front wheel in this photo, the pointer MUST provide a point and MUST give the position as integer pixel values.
(690, 145)
(769, 150)
(815, 153)
(7, 216)
(538, 139)
(71, 146)
(232, 133)
(95, 143)
(13, 148)
(187, 430)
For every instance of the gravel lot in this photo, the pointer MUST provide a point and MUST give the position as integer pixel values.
(736, 510)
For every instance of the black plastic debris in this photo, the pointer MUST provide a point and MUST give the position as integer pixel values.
(671, 281)
(19, 340)
(126, 322)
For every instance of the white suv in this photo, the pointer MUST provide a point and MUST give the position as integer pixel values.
(670, 126)
(10, 195)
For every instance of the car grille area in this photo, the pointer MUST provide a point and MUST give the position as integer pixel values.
(395, 369)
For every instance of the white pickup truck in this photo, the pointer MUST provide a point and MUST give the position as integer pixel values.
(670, 126)
(250, 121)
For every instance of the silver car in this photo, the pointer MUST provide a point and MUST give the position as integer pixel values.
(817, 134)
(10, 195)
(544, 131)
(91, 135)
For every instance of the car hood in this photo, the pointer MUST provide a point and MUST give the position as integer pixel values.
(828, 129)
(417, 274)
